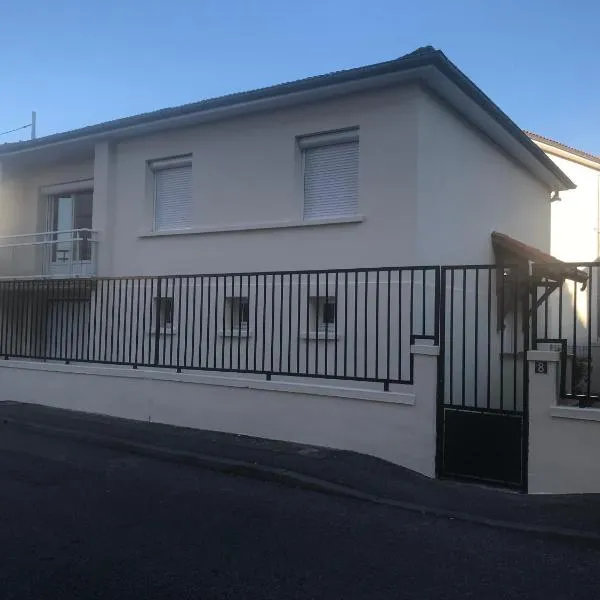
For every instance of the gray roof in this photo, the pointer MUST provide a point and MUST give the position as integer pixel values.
(426, 56)
(550, 142)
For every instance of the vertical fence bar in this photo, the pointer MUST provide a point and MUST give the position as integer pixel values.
(156, 325)
(476, 353)
(120, 344)
(281, 322)
(317, 323)
(464, 334)
(423, 301)
(112, 320)
(180, 336)
(355, 374)
(306, 366)
(147, 359)
(255, 345)
(249, 333)
(241, 313)
(452, 291)
(388, 326)
(170, 334)
(131, 303)
(400, 278)
(18, 319)
(574, 359)
(264, 322)
(215, 332)
(230, 338)
(223, 306)
(515, 338)
(106, 290)
(299, 323)
(208, 324)
(194, 297)
(54, 321)
(289, 344)
(326, 322)
(377, 324)
(560, 310)
(336, 319)
(489, 334)
(366, 373)
(137, 317)
(590, 285)
(345, 324)
(26, 304)
(500, 273)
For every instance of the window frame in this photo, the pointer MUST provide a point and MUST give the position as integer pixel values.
(319, 140)
(164, 164)
(164, 325)
(235, 327)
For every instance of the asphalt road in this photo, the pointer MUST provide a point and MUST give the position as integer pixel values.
(78, 521)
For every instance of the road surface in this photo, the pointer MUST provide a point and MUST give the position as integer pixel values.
(79, 521)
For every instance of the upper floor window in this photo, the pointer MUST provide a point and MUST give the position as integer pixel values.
(172, 193)
(330, 170)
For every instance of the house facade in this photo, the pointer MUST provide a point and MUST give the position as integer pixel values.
(275, 255)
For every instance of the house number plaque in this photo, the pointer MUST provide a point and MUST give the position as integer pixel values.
(541, 367)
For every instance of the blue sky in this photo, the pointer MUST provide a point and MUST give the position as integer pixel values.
(79, 62)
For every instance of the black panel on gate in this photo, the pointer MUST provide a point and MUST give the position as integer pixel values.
(485, 446)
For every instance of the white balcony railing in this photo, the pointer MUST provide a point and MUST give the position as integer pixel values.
(70, 253)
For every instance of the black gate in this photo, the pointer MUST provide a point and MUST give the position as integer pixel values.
(482, 388)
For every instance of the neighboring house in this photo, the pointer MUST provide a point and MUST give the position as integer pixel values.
(575, 237)
(292, 234)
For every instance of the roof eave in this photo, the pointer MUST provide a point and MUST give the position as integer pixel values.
(430, 66)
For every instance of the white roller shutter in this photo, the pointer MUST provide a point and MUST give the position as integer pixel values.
(331, 181)
(173, 198)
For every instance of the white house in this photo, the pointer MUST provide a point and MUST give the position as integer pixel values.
(573, 314)
(269, 263)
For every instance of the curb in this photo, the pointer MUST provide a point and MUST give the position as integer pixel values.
(289, 478)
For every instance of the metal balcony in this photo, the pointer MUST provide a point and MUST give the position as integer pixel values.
(50, 254)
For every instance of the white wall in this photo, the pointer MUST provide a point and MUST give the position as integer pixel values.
(246, 171)
(575, 216)
(401, 429)
(23, 209)
(467, 189)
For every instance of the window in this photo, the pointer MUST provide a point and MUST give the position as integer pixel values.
(330, 169)
(325, 313)
(172, 193)
(237, 313)
(164, 310)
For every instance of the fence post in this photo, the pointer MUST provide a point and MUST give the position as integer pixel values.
(426, 357)
(543, 370)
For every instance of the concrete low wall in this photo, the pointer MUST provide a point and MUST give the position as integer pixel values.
(564, 442)
(398, 426)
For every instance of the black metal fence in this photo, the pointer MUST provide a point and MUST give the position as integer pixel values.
(484, 337)
(566, 318)
(355, 324)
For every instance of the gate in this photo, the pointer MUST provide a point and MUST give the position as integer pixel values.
(482, 389)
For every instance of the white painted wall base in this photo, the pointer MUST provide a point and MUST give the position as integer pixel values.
(564, 442)
(396, 426)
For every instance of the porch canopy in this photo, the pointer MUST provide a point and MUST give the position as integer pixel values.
(516, 283)
(510, 251)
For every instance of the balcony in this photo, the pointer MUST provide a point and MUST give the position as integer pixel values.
(51, 254)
